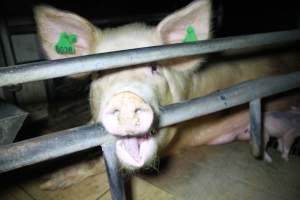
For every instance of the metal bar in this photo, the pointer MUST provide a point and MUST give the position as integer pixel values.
(8, 56)
(255, 127)
(58, 68)
(57, 144)
(51, 146)
(115, 177)
(6, 41)
(227, 98)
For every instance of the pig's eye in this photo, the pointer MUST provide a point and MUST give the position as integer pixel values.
(154, 68)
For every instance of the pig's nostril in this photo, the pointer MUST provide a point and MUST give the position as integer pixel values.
(138, 111)
(116, 112)
(127, 114)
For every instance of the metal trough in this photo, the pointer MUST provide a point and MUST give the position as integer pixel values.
(11, 120)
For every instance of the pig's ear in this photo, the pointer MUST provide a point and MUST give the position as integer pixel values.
(173, 29)
(52, 22)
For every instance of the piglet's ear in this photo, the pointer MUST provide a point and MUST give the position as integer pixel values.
(196, 16)
(53, 24)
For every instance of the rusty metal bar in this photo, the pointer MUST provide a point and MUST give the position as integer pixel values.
(255, 127)
(42, 148)
(64, 67)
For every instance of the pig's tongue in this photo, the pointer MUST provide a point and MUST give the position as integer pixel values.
(131, 145)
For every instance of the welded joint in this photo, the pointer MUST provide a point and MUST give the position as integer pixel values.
(255, 128)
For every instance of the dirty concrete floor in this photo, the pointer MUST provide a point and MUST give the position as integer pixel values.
(229, 172)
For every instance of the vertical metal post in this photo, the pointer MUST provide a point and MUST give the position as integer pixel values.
(9, 91)
(255, 128)
(6, 42)
(115, 178)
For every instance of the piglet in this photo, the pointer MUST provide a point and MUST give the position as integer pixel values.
(285, 126)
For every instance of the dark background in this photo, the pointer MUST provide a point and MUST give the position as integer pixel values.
(236, 17)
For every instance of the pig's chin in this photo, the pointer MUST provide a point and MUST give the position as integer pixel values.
(136, 152)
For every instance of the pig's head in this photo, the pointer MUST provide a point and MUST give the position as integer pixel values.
(127, 101)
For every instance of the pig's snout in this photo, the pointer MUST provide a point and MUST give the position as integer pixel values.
(127, 114)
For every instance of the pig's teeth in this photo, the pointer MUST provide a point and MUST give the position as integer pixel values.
(131, 145)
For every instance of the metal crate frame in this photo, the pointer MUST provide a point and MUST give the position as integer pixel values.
(61, 143)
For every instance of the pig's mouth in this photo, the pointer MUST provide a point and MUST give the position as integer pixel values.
(136, 152)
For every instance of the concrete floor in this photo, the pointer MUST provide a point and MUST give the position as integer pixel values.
(229, 172)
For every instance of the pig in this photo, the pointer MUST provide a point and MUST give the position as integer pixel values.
(285, 126)
(127, 101)
(282, 125)
(235, 128)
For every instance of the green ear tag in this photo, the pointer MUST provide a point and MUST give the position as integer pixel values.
(190, 35)
(65, 43)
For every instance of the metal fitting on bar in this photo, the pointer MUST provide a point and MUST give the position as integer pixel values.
(64, 67)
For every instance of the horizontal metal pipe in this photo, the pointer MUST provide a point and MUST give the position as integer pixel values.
(58, 68)
(51, 146)
(229, 97)
(54, 145)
